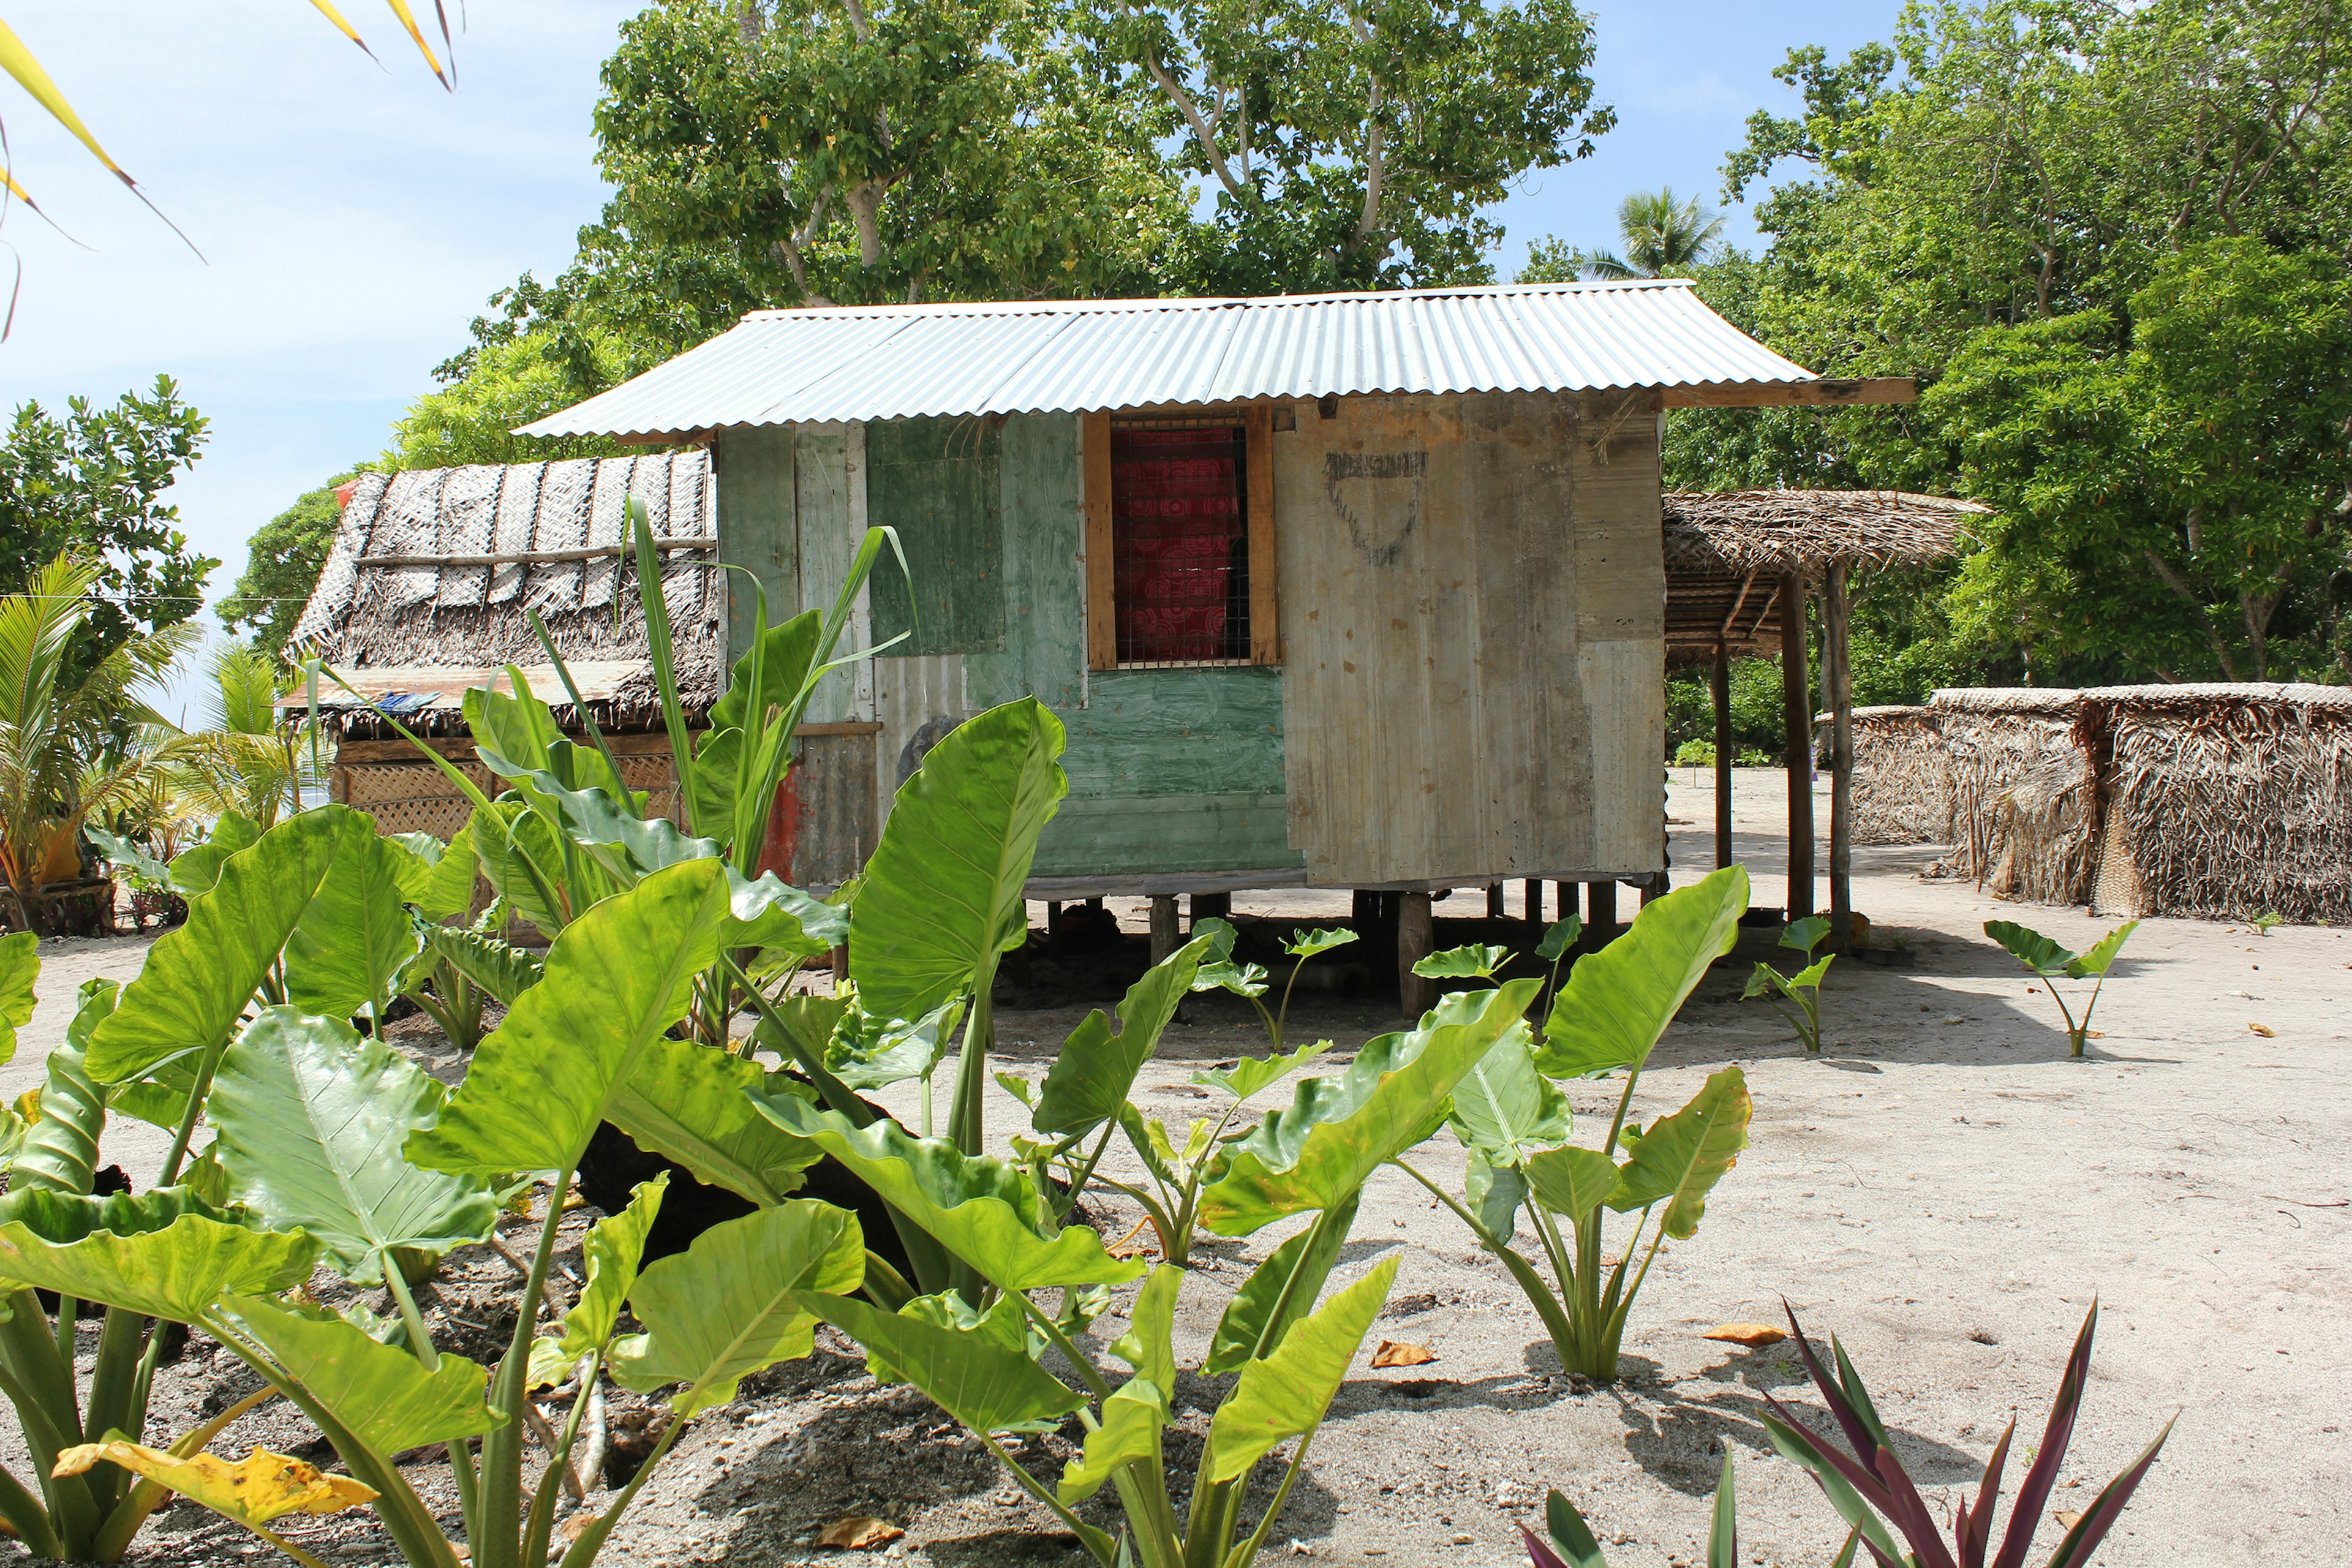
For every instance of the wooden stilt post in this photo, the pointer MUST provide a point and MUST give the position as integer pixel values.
(1495, 910)
(1838, 675)
(1563, 897)
(1722, 755)
(1797, 726)
(1600, 912)
(1416, 939)
(1054, 917)
(1364, 911)
(1533, 908)
(1165, 936)
(1209, 906)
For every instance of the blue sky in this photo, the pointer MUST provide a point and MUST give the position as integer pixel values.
(352, 219)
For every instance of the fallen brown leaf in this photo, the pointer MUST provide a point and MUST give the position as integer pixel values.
(2067, 1521)
(2263, 1030)
(1397, 1353)
(575, 1527)
(1754, 1336)
(858, 1533)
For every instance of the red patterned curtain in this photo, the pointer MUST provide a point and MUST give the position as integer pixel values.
(1178, 546)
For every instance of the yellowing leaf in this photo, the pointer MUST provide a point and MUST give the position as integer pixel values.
(858, 1533)
(254, 1491)
(1401, 1352)
(1753, 1336)
(2263, 1030)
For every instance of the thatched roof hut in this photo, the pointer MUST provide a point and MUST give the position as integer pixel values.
(1902, 782)
(2217, 801)
(1728, 552)
(427, 594)
(427, 589)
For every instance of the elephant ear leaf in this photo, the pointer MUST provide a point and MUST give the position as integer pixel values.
(250, 1491)
(60, 1150)
(1505, 1110)
(2031, 948)
(20, 965)
(499, 970)
(1135, 1414)
(613, 1251)
(1250, 1074)
(199, 977)
(312, 1117)
(446, 888)
(197, 869)
(157, 1254)
(1278, 1292)
(1285, 1395)
(1681, 1157)
(743, 1297)
(692, 1103)
(1319, 1152)
(985, 1385)
(381, 1393)
(355, 936)
(2098, 960)
(1090, 1078)
(616, 980)
(1619, 1001)
(943, 894)
(1572, 1182)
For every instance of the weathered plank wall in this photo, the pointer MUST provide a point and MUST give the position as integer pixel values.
(1473, 599)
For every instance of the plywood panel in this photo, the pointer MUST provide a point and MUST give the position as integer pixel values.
(1045, 568)
(836, 781)
(759, 531)
(827, 487)
(937, 482)
(1113, 835)
(917, 700)
(1162, 732)
(1438, 719)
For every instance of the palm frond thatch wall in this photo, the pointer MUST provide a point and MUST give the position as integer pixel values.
(1902, 786)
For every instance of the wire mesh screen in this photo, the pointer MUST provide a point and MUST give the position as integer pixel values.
(1179, 545)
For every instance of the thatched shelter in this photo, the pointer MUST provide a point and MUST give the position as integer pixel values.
(427, 593)
(1741, 566)
(1902, 782)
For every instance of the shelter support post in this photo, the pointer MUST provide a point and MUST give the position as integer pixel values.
(1837, 674)
(1165, 936)
(1416, 939)
(1797, 722)
(1534, 905)
(1722, 754)
(1564, 896)
(1494, 910)
(1600, 913)
(1209, 906)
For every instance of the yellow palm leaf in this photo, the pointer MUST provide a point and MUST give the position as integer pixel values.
(400, 9)
(18, 62)
(252, 1491)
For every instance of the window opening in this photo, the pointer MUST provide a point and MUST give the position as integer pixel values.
(1180, 544)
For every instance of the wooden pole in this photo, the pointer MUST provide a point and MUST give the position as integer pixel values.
(1722, 754)
(1534, 903)
(1494, 910)
(1564, 896)
(1209, 906)
(1165, 938)
(1600, 912)
(1837, 658)
(1416, 939)
(1797, 724)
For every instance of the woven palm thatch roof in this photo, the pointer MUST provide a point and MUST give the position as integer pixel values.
(428, 587)
(1727, 552)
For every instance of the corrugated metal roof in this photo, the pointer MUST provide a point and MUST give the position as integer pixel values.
(889, 362)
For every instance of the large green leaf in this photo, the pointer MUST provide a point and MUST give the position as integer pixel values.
(512, 723)
(983, 1210)
(742, 1297)
(1285, 1395)
(1681, 1157)
(197, 868)
(1319, 1150)
(1495, 1193)
(355, 936)
(771, 912)
(1095, 1070)
(381, 1392)
(1250, 1074)
(2101, 957)
(1572, 1182)
(523, 863)
(312, 1117)
(984, 1385)
(1617, 1002)
(59, 1152)
(1503, 1108)
(941, 896)
(198, 978)
(616, 980)
(692, 1103)
(174, 1271)
(1278, 1292)
(437, 878)
(865, 1052)
(20, 965)
(612, 1253)
(2031, 948)
(499, 970)
(614, 826)
(1473, 963)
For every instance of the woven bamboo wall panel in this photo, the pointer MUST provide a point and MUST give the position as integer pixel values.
(418, 798)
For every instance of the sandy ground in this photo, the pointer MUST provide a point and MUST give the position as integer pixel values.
(1943, 1189)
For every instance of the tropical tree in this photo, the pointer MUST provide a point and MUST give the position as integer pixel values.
(1659, 236)
(246, 759)
(67, 746)
(282, 563)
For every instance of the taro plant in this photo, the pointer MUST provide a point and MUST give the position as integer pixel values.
(2267, 921)
(332, 1149)
(1515, 1123)
(978, 1350)
(1865, 1481)
(1571, 1543)
(2053, 962)
(1797, 997)
(1218, 972)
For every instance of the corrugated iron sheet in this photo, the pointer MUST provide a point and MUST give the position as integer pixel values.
(889, 362)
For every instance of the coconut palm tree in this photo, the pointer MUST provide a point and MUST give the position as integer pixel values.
(1661, 237)
(67, 751)
(245, 760)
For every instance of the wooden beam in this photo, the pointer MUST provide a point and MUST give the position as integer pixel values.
(1731, 616)
(1265, 609)
(1797, 731)
(1600, 913)
(1838, 675)
(1165, 936)
(1102, 582)
(1868, 391)
(1722, 690)
(1416, 939)
(530, 557)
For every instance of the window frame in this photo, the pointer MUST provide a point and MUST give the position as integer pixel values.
(1257, 420)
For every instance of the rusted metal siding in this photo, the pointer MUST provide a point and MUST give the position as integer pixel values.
(1473, 600)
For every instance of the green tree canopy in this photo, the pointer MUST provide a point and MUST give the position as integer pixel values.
(282, 565)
